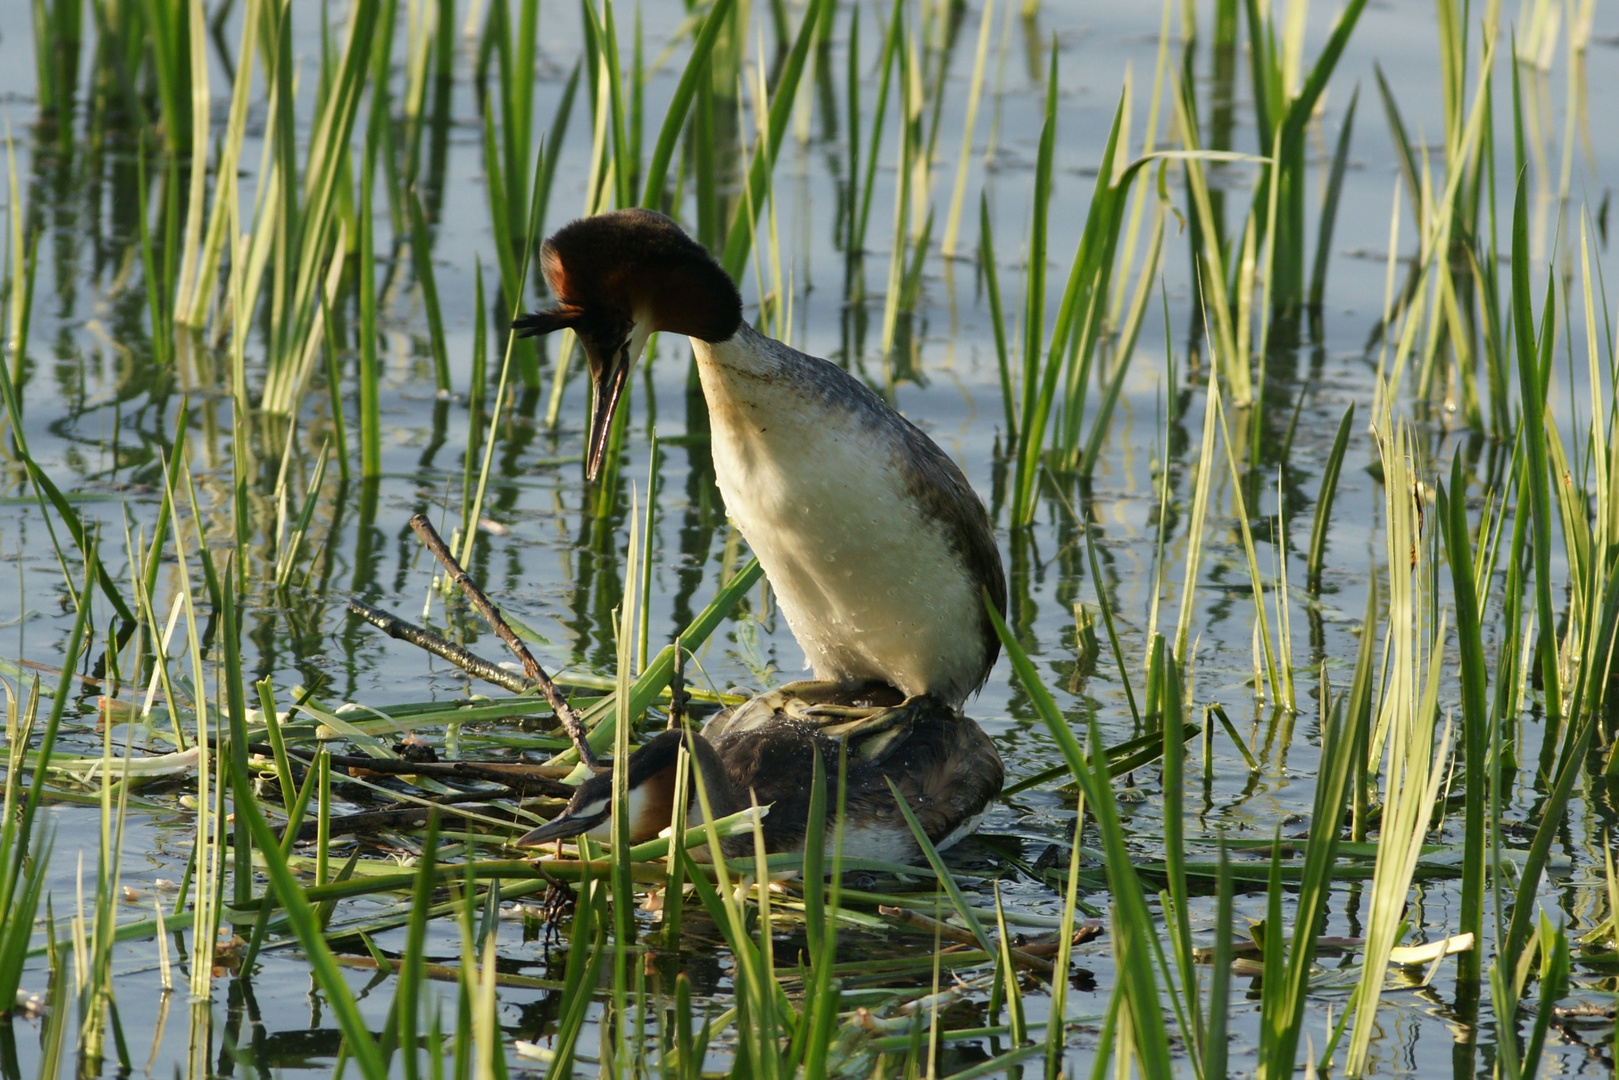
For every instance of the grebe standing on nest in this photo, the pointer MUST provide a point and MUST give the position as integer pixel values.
(878, 549)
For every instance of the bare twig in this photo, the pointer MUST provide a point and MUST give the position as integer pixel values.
(516, 777)
(438, 645)
(363, 822)
(570, 720)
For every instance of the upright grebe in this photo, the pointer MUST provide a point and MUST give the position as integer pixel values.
(879, 551)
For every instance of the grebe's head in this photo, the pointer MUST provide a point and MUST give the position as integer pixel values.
(617, 278)
(651, 798)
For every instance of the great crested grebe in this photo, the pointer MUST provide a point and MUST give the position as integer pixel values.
(946, 769)
(879, 551)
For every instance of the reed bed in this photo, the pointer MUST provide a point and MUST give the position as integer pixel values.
(1410, 797)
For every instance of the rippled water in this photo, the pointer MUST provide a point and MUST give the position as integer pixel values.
(98, 416)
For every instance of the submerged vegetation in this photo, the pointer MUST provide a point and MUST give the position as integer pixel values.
(269, 204)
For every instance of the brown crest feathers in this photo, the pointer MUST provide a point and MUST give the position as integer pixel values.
(609, 269)
(538, 323)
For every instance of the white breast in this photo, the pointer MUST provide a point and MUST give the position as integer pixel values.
(889, 841)
(871, 585)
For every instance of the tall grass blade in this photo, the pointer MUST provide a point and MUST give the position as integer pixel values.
(1534, 372)
(358, 1041)
(1282, 1005)
(674, 118)
(739, 236)
(1134, 928)
(421, 251)
(975, 88)
(1329, 206)
(22, 867)
(198, 79)
(1415, 761)
(1475, 715)
(997, 319)
(1323, 500)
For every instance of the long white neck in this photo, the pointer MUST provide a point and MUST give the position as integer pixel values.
(874, 543)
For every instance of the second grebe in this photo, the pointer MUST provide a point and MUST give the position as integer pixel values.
(946, 769)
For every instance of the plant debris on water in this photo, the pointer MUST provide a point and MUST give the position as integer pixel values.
(1276, 337)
